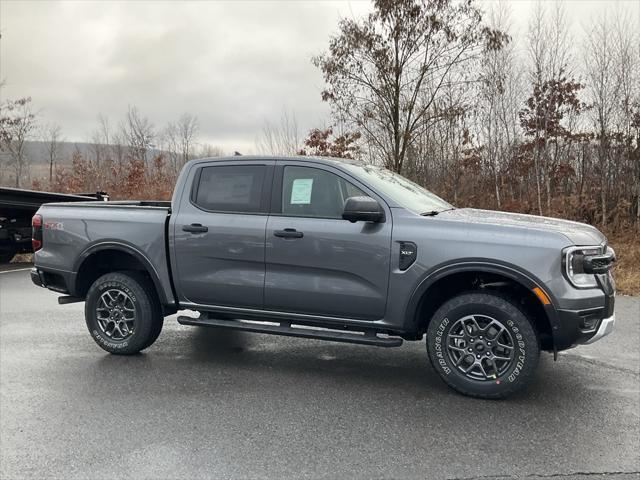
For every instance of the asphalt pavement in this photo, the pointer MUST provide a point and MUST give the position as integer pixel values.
(212, 404)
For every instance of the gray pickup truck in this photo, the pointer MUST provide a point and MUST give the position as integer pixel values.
(337, 250)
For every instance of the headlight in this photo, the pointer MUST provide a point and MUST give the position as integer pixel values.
(574, 263)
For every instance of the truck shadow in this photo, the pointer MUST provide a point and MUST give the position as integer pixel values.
(199, 360)
(297, 357)
(406, 368)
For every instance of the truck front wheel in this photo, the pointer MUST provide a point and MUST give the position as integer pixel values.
(123, 313)
(483, 345)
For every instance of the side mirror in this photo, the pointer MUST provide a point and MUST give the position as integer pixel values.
(365, 209)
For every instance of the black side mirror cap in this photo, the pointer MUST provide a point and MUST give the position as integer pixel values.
(365, 209)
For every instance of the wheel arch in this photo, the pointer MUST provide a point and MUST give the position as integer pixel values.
(445, 281)
(110, 256)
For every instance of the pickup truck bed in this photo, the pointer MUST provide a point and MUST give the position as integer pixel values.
(135, 227)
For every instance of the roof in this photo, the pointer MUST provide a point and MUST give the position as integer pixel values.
(300, 158)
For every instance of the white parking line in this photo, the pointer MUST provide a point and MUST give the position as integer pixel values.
(15, 270)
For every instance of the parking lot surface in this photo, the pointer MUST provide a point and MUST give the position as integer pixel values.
(213, 404)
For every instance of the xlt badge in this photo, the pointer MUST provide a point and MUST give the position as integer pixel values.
(408, 254)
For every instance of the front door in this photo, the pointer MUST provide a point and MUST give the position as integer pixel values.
(316, 262)
(219, 234)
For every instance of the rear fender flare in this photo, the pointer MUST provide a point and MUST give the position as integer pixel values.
(127, 248)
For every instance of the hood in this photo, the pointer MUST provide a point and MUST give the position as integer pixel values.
(577, 233)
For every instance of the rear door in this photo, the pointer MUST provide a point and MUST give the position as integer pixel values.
(316, 262)
(219, 234)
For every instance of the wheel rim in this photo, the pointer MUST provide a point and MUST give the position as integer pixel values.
(116, 314)
(480, 347)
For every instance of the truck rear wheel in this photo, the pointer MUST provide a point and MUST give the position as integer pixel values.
(483, 345)
(123, 313)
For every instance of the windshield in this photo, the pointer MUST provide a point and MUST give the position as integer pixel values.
(406, 193)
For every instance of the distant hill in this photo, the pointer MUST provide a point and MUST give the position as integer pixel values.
(37, 152)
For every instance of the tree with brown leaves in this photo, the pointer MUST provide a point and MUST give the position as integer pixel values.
(385, 73)
(320, 143)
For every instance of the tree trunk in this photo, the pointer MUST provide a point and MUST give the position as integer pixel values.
(537, 175)
(548, 188)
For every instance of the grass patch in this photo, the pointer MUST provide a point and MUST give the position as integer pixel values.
(23, 258)
(627, 269)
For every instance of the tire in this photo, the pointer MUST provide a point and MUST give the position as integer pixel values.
(157, 327)
(123, 313)
(472, 332)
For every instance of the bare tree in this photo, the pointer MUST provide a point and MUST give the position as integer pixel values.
(497, 104)
(603, 91)
(138, 132)
(627, 114)
(169, 143)
(280, 137)
(206, 150)
(52, 138)
(102, 140)
(549, 53)
(17, 125)
(119, 147)
(104, 129)
(187, 127)
(178, 140)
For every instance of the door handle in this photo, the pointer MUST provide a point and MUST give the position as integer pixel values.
(288, 233)
(195, 228)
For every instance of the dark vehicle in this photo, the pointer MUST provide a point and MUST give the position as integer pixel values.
(17, 207)
(337, 250)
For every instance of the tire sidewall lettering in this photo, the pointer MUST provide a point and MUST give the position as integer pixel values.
(118, 346)
(520, 353)
(118, 286)
(439, 353)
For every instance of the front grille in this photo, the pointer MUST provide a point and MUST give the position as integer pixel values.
(600, 262)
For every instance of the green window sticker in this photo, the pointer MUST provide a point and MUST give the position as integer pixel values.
(301, 191)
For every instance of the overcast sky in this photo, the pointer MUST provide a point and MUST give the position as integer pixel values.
(233, 64)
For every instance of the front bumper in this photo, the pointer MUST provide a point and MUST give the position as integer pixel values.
(606, 327)
(586, 326)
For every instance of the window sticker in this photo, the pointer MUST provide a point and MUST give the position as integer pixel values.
(301, 191)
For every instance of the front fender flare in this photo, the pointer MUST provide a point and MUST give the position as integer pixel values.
(510, 271)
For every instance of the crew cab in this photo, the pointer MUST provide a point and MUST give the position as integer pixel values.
(332, 249)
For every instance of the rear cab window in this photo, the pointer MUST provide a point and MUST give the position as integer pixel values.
(230, 188)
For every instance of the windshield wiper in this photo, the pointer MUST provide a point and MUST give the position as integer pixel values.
(433, 213)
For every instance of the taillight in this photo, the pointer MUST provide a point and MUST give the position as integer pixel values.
(36, 232)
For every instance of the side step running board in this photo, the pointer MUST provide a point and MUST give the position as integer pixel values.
(65, 299)
(285, 328)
